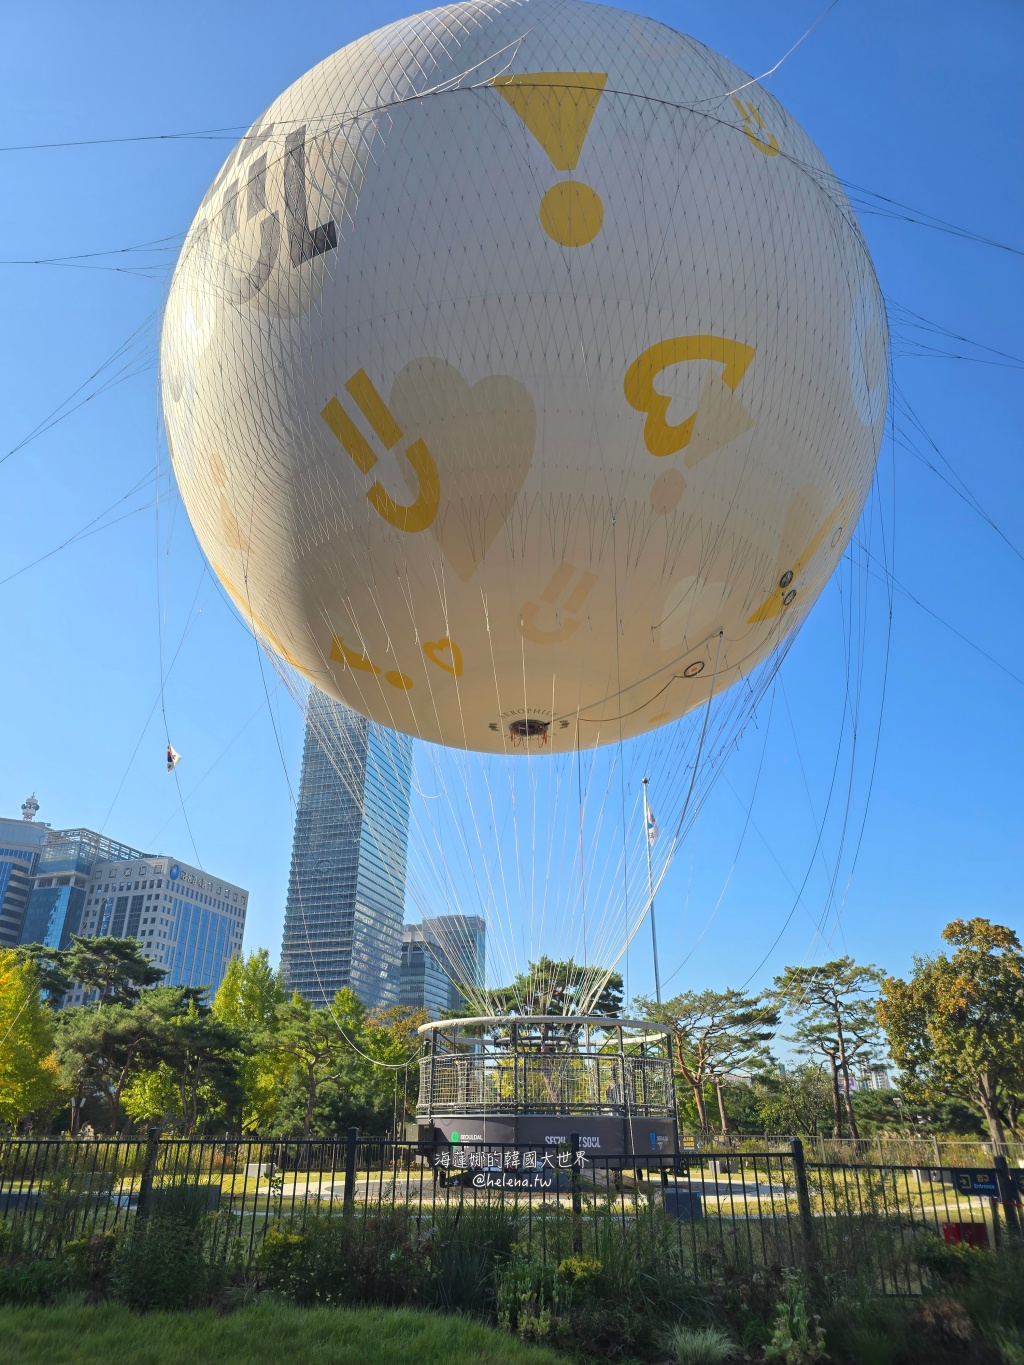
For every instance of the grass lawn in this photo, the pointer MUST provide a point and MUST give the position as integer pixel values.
(266, 1334)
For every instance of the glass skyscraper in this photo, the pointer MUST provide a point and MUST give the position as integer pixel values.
(20, 845)
(440, 956)
(346, 888)
(183, 919)
(60, 891)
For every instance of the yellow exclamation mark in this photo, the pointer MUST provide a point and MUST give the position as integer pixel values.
(557, 107)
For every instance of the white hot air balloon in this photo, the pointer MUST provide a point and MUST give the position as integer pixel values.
(524, 374)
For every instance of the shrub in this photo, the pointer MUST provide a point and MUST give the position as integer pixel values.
(526, 1295)
(573, 1304)
(162, 1263)
(1010, 1344)
(871, 1331)
(581, 1271)
(91, 1262)
(797, 1337)
(700, 1346)
(27, 1282)
(279, 1261)
(343, 1260)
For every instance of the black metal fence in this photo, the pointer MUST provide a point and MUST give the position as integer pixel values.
(701, 1215)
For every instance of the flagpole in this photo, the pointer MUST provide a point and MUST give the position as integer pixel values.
(650, 894)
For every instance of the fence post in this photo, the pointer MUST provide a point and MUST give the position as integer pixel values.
(574, 1184)
(148, 1167)
(1007, 1197)
(803, 1198)
(351, 1148)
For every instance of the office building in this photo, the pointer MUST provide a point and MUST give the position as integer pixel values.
(60, 886)
(20, 845)
(188, 923)
(346, 888)
(439, 956)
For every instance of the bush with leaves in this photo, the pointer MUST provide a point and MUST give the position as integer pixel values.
(91, 1261)
(577, 1302)
(343, 1260)
(462, 1252)
(166, 1263)
(797, 1337)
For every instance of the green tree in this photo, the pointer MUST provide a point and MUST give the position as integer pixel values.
(248, 1000)
(549, 987)
(346, 1067)
(50, 966)
(713, 1033)
(313, 1045)
(956, 1027)
(193, 1075)
(890, 1111)
(833, 1009)
(250, 993)
(29, 1082)
(115, 968)
(98, 1051)
(795, 1100)
(392, 1037)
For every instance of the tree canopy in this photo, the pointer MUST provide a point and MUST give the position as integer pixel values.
(956, 1026)
(28, 1065)
(832, 1007)
(713, 1033)
(559, 987)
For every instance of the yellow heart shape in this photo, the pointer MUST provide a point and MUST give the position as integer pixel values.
(481, 439)
(660, 436)
(433, 648)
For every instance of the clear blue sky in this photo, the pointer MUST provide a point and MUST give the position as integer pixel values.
(916, 101)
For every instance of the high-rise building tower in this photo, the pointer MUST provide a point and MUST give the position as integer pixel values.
(60, 886)
(184, 920)
(346, 889)
(20, 845)
(441, 959)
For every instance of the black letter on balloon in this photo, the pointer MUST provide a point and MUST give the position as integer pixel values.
(303, 242)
